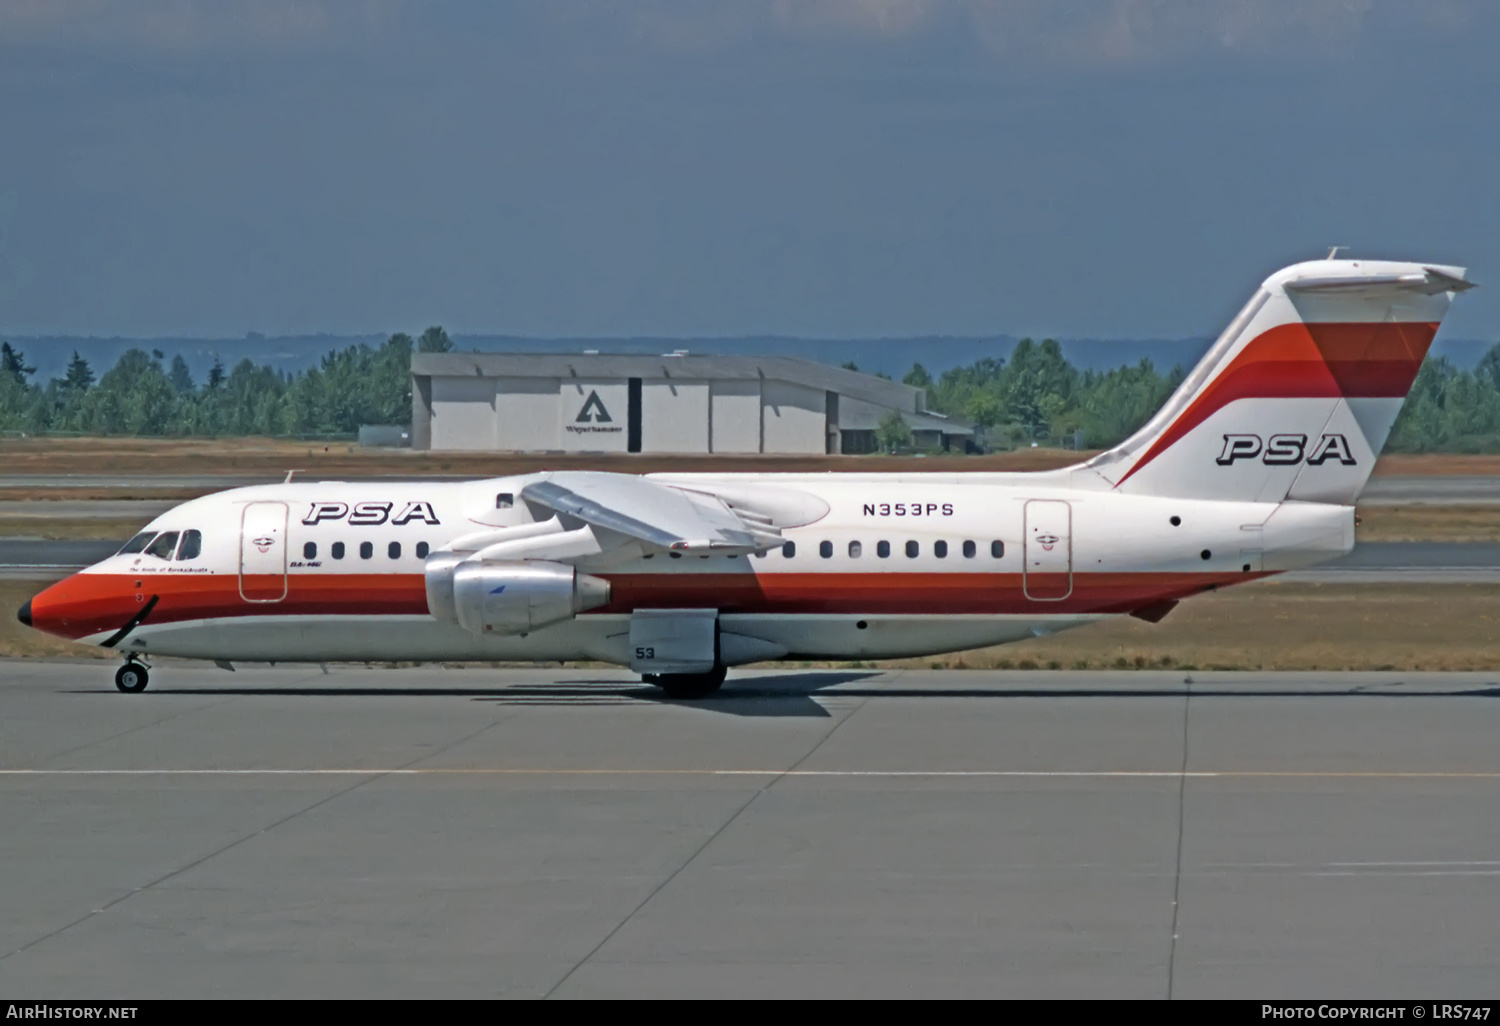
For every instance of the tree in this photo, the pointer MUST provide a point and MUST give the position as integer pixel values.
(216, 374)
(13, 363)
(180, 376)
(434, 340)
(984, 409)
(893, 431)
(1489, 367)
(133, 398)
(850, 365)
(80, 376)
(1038, 383)
(917, 377)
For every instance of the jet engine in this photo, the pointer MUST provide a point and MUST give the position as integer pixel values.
(509, 597)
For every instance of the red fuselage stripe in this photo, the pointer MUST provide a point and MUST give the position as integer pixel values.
(87, 604)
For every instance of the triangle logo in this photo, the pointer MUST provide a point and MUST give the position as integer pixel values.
(593, 411)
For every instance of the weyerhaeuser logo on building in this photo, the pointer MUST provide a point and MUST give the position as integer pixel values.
(593, 418)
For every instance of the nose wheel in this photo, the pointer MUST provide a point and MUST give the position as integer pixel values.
(132, 677)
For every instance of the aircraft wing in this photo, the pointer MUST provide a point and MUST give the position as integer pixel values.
(656, 514)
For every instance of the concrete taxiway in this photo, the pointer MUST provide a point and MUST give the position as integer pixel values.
(432, 833)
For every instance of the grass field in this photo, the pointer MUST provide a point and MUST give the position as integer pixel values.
(1428, 523)
(273, 457)
(270, 456)
(1269, 625)
(71, 528)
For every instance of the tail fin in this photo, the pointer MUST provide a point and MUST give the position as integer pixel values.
(1296, 398)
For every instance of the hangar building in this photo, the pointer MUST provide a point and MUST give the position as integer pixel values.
(677, 403)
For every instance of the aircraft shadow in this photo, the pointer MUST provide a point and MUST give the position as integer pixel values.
(786, 695)
(795, 694)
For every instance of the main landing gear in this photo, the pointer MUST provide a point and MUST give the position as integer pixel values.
(133, 676)
(688, 685)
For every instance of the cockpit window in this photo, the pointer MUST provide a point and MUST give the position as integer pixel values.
(164, 545)
(192, 545)
(137, 544)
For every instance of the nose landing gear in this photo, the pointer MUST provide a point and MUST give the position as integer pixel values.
(133, 676)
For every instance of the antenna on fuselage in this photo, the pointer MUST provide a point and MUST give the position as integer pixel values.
(1333, 252)
(289, 474)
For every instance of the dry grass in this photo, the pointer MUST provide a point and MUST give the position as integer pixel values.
(1276, 625)
(71, 528)
(1437, 464)
(128, 492)
(275, 457)
(1270, 625)
(1429, 523)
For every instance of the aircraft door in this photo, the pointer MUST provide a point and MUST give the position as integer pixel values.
(263, 552)
(1047, 575)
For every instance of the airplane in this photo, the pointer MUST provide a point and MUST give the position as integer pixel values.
(1251, 468)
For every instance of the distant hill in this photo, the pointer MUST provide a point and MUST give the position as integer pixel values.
(892, 356)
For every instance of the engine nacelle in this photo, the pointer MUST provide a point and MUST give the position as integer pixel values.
(513, 597)
(438, 576)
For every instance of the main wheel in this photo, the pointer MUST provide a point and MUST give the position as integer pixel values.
(132, 677)
(691, 685)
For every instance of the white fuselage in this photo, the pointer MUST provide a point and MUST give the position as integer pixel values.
(899, 565)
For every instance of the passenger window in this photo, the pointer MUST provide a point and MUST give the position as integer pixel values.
(912, 550)
(940, 549)
(366, 550)
(789, 549)
(164, 545)
(825, 549)
(422, 550)
(854, 550)
(969, 549)
(883, 549)
(337, 549)
(310, 550)
(997, 549)
(192, 545)
(505, 500)
(393, 550)
(137, 544)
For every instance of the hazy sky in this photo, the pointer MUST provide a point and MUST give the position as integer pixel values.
(1079, 168)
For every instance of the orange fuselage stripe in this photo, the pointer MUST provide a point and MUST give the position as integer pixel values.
(91, 603)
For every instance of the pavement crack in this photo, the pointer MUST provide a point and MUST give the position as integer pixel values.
(135, 729)
(702, 848)
(1182, 778)
(250, 837)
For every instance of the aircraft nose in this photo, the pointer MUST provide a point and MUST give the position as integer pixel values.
(24, 613)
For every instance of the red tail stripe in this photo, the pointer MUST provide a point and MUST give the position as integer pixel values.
(1309, 361)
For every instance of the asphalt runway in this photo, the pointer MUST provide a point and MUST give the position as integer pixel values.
(477, 833)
